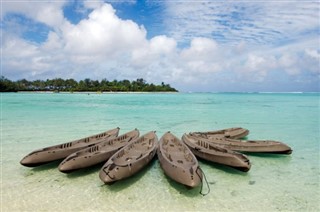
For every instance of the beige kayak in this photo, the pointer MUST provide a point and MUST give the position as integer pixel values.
(61, 151)
(96, 154)
(214, 153)
(235, 132)
(130, 159)
(258, 146)
(178, 162)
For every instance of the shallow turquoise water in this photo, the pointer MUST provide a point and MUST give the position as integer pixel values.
(34, 120)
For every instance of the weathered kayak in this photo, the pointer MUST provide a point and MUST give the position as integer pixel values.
(61, 151)
(235, 132)
(130, 159)
(257, 146)
(216, 154)
(96, 154)
(178, 162)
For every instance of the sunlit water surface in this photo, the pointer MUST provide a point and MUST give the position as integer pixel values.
(275, 182)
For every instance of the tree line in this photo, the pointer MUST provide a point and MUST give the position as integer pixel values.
(71, 85)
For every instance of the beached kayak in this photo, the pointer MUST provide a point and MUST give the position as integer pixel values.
(209, 151)
(130, 159)
(258, 146)
(178, 162)
(235, 132)
(96, 154)
(61, 151)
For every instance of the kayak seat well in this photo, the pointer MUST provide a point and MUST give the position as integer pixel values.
(127, 157)
(181, 158)
(130, 158)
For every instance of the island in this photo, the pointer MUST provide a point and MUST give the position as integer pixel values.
(71, 85)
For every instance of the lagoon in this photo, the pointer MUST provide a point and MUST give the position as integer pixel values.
(275, 182)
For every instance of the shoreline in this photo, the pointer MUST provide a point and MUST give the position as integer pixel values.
(159, 92)
(95, 92)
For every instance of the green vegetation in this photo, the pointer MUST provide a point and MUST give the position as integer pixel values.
(71, 85)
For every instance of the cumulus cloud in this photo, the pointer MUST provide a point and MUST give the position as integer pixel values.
(99, 43)
(313, 53)
(289, 63)
(256, 67)
(104, 45)
(201, 56)
(201, 49)
(159, 47)
(103, 33)
(49, 13)
(23, 58)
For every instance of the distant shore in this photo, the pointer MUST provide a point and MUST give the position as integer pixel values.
(70, 85)
(97, 92)
(155, 92)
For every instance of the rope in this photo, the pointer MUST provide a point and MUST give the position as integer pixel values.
(205, 178)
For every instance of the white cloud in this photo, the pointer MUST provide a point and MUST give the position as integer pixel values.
(162, 45)
(235, 21)
(103, 45)
(98, 44)
(201, 49)
(23, 57)
(311, 61)
(148, 53)
(103, 33)
(192, 64)
(53, 42)
(89, 4)
(256, 67)
(49, 13)
(289, 63)
(201, 56)
(314, 54)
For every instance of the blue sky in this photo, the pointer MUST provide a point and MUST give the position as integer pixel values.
(205, 46)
